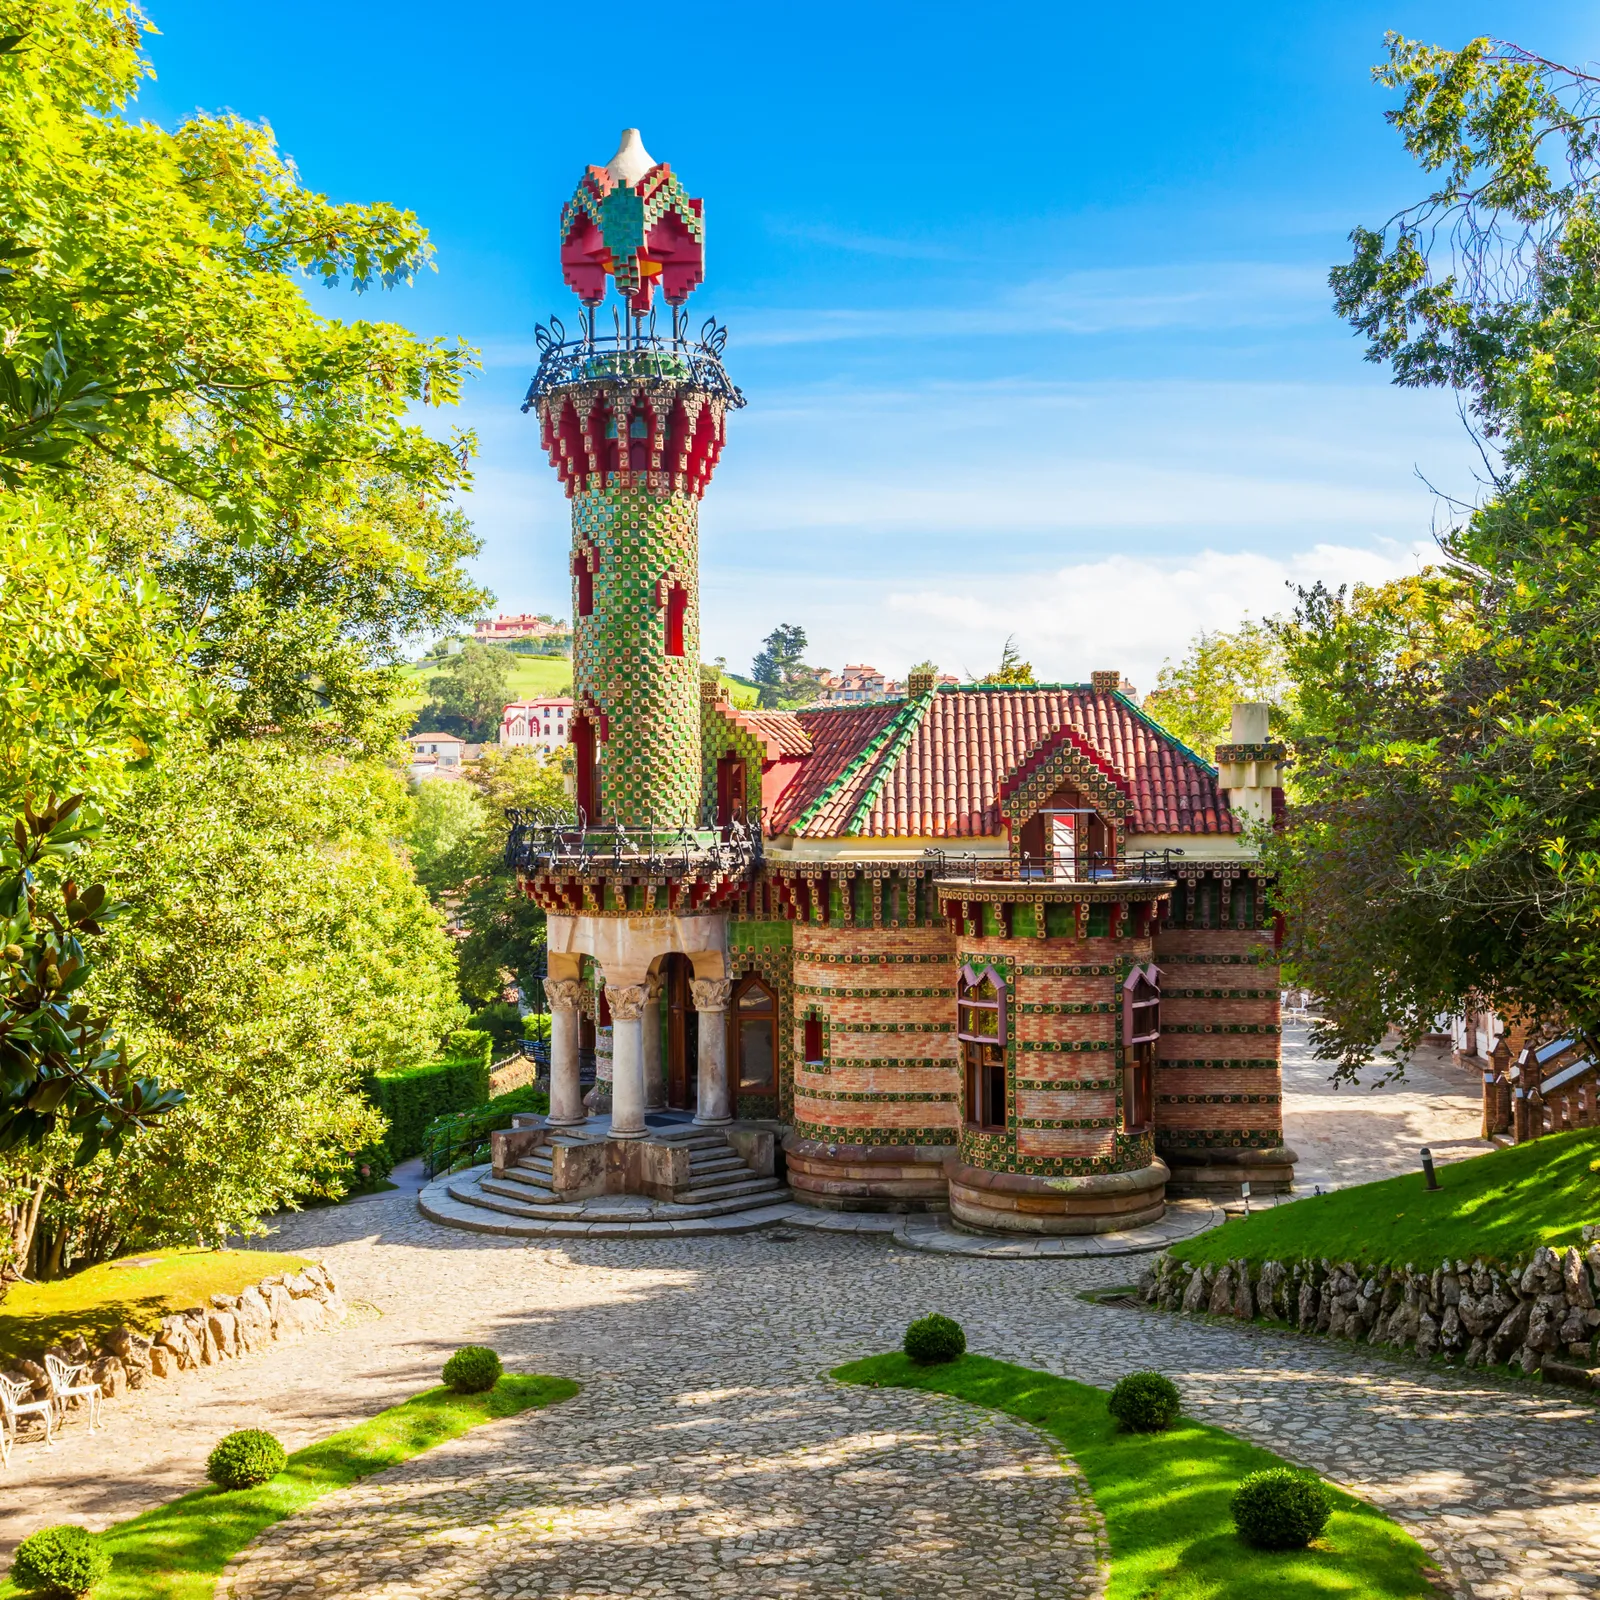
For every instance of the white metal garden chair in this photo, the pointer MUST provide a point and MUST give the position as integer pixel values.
(67, 1384)
(14, 1406)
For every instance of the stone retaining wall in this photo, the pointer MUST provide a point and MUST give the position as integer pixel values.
(284, 1306)
(1539, 1315)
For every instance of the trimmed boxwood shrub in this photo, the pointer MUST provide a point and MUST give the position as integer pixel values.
(935, 1339)
(245, 1459)
(60, 1561)
(411, 1099)
(474, 1369)
(1145, 1402)
(1280, 1509)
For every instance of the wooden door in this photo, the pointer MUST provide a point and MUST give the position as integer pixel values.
(683, 1034)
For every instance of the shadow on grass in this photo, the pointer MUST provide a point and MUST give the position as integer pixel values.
(176, 1551)
(1165, 1496)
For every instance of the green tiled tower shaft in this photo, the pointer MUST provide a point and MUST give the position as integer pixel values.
(642, 546)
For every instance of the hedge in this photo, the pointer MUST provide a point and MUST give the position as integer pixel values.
(461, 1138)
(457, 1081)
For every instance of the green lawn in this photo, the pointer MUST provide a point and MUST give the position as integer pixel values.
(1501, 1205)
(531, 678)
(137, 1291)
(1164, 1496)
(177, 1551)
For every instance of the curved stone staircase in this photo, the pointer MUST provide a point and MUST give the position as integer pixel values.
(722, 1194)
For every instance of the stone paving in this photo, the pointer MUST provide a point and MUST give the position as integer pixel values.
(708, 1440)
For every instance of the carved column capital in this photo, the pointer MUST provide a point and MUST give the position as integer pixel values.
(711, 994)
(655, 988)
(627, 1002)
(564, 994)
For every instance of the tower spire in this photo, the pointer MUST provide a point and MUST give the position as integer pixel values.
(634, 425)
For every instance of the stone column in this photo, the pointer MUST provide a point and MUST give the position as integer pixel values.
(714, 1104)
(655, 1088)
(566, 1097)
(627, 1060)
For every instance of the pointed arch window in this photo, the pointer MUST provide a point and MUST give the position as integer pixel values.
(981, 1029)
(755, 1011)
(1141, 1030)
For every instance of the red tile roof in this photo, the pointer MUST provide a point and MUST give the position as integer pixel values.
(838, 734)
(937, 767)
(780, 729)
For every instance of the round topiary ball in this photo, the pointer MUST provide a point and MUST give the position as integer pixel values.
(1280, 1509)
(474, 1369)
(58, 1562)
(245, 1459)
(1145, 1402)
(931, 1340)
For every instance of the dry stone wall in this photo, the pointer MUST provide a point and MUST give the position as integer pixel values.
(1537, 1315)
(284, 1306)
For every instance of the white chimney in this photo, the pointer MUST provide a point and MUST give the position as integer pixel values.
(1250, 766)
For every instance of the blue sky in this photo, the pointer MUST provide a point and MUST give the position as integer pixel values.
(1029, 301)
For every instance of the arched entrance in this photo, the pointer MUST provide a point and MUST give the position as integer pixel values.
(683, 1033)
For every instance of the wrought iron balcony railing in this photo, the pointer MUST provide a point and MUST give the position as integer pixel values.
(635, 352)
(583, 849)
(1146, 866)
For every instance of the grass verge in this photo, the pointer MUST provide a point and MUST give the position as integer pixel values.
(1500, 1205)
(137, 1291)
(1164, 1496)
(176, 1551)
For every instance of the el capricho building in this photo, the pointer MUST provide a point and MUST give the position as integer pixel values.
(1003, 950)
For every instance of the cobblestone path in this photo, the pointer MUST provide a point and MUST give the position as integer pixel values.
(648, 1488)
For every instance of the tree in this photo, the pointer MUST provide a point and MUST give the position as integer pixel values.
(1194, 697)
(1012, 668)
(505, 932)
(1447, 732)
(451, 836)
(470, 695)
(778, 670)
(931, 667)
(275, 950)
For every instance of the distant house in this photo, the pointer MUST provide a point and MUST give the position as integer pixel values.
(439, 755)
(861, 683)
(541, 724)
(523, 626)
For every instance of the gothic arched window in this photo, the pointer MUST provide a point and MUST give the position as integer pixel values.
(981, 1030)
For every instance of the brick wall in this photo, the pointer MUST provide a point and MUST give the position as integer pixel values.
(886, 1000)
(1219, 1082)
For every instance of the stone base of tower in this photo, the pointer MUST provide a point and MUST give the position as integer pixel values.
(840, 1177)
(1220, 1174)
(1009, 1202)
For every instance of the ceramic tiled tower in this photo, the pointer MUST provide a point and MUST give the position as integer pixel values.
(634, 426)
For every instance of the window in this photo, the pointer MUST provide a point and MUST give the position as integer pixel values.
(981, 1030)
(1141, 1028)
(677, 610)
(583, 571)
(813, 1041)
(756, 1017)
(731, 780)
(587, 759)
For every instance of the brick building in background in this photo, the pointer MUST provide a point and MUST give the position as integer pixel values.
(1003, 949)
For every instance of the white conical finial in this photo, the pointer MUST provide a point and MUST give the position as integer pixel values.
(632, 160)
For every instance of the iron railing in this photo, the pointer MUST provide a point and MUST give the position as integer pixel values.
(584, 849)
(1088, 866)
(633, 352)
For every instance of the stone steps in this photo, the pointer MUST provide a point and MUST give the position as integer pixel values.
(496, 1194)
(439, 1205)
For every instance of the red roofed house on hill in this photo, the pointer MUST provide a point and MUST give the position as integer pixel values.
(1004, 950)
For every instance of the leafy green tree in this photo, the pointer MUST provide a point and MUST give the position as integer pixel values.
(1194, 697)
(1447, 732)
(451, 836)
(1012, 668)
(470, 695)
(780, 672)
(275, 950)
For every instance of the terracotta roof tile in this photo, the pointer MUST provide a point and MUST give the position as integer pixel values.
(944, 771)
(780, 729)
(838, 735)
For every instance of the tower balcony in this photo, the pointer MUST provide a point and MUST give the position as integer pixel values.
(635, 356)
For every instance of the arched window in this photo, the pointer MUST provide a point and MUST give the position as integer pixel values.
(755, 1012)
(981, 1029)
(1141, 1029)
